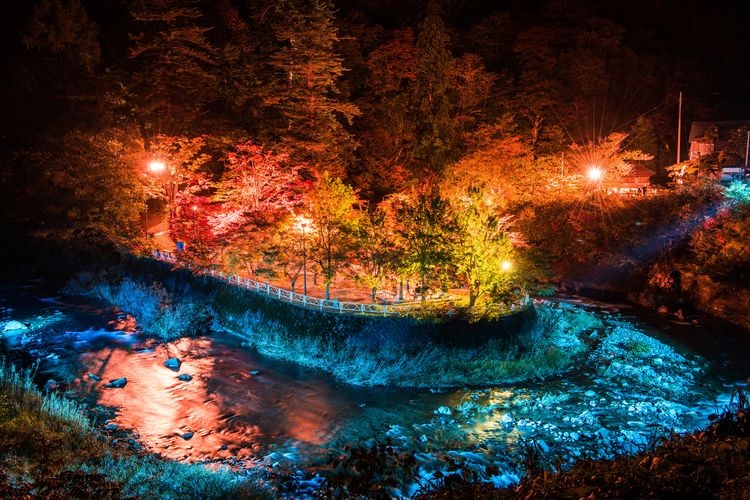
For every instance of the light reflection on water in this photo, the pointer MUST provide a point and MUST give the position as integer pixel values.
(302, 414)
(231, 412)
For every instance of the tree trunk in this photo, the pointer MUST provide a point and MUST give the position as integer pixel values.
(374, 291)
(401, 291)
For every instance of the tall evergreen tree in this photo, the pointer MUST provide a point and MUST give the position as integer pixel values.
(306, 95)
(173, 62)
(436, 133)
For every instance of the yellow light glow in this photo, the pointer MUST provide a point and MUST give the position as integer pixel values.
(157, 166)
(506, 265)
(595, 174)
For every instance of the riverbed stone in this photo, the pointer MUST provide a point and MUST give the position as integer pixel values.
(14, 325)
(173, 364)
(51, 385)
(443, 410)
(117, 383)
(94, 377)
(187, 435)
(185, 377)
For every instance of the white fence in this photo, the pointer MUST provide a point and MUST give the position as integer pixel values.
(309, 302)
(298, 299)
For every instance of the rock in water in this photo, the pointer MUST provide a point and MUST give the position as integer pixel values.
(255, 372)
(173, 364)
(14, 325)
(94, 377)
(186, 436)
(117, 383)
(443, 410)
(185, 377)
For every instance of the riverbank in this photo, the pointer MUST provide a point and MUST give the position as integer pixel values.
(410, 352)
(625, 389)
(51, 448)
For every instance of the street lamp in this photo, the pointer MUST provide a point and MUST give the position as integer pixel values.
(302, 223)
(506, 265)
(595, 174)
(158, 167)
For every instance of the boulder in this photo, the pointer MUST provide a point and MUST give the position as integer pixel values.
(255, 372)
(51, 385)
(185, 377)
(186, 436)
(14, 325)
(117, 383)
(173, 364)
(443, 410)
(94, 377)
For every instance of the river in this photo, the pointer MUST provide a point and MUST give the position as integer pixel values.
(648, 376)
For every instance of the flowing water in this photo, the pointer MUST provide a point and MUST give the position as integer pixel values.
(647, 377)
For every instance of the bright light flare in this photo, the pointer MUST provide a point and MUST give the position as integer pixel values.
(157, 166)
(595, 174)
(506, 265)
(302, 223)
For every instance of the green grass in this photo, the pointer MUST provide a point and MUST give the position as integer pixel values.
(548, 351)
(50, 449)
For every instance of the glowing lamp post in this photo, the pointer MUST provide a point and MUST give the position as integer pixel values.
(159, 167)
(595, 174)
(506, 265)
(302, 224)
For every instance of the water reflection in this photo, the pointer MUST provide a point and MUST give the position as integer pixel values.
(231, 412)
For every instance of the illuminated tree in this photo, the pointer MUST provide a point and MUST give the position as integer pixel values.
(426, 230)
(177, 173)
(306, 94)
(374, 251)
(334, 221)
(258, 181)
(483, 248)
(608, 155)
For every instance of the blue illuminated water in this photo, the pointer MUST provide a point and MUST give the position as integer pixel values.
(645, 378)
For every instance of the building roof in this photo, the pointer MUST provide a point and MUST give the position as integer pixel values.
(724, 128)
(639, 171)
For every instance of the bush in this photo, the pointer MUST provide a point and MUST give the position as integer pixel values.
(160, 314)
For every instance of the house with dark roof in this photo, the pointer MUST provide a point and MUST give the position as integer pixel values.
(723, 145)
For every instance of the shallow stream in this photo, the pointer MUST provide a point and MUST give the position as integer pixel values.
(647, 376)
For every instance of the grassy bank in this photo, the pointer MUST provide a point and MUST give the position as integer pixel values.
(399, 352)
(49, 449)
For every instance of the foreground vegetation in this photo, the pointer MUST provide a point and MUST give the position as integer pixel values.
(49, 449)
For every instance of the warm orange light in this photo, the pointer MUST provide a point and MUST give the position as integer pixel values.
(157, 166)
(195, 208)
(302, 223)
(506, 265)
(595, 174)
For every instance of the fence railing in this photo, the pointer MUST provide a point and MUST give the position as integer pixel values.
(298, 299)
(307, 301)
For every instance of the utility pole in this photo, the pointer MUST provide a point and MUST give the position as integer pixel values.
(679, 128)
(747, 147)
